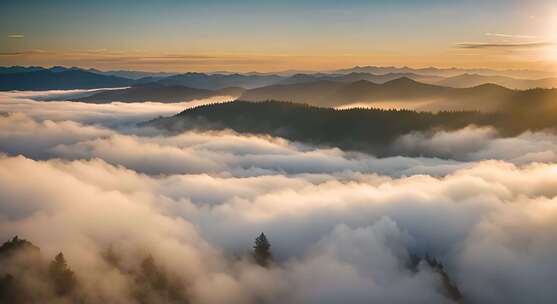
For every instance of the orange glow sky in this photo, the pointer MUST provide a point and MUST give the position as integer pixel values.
(279, 35)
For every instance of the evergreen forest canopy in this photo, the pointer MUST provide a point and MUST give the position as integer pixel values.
(360, 129)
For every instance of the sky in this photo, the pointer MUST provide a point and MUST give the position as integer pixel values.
(173, 35)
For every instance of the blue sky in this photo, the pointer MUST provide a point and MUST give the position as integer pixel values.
(269, 31)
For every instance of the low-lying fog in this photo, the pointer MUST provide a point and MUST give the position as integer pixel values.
(81, 178)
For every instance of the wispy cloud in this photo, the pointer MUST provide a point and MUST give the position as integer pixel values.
(511, 36)
(26, 52)
(104, 56)
(503, 45)
(16, 36)
(11, 53)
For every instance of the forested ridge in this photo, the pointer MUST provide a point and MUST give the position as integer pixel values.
(362, 129)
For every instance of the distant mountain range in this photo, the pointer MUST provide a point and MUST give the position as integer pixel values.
(402, 91)
(405, 93)
(39, 78)
(352, 77)
(472, 80)
(399, 93)
(132, 74)
(118, 73)
(58, 79)
(19, 69)
(158, 93)
(447, 72)
(219, 81)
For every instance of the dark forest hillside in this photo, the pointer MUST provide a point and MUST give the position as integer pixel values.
(368, 130)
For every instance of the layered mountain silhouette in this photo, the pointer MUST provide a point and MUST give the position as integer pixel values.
(118, 73)
(39, 78)
(445, 72)
(158, 93)
(352, 77)
(472, 80)
(19, 69)
(219, 81)
(399, 93)
(132, 74)
(59, 79)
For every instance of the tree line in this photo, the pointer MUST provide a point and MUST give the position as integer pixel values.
(26, 277)
(357, 129)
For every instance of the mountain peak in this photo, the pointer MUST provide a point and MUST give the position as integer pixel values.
(402, 81)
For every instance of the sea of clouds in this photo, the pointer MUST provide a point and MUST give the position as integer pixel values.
(80, 178)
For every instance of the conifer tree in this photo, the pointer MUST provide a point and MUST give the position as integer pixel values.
(262, 251)
(63, 278)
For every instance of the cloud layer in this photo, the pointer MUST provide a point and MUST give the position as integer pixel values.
(342, 225)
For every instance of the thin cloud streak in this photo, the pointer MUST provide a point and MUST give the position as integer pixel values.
(12, 54)
(27, 52)
(503, 45)
(501, 35)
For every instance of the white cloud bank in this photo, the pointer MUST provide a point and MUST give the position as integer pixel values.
(115, 114)
(342, 225)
